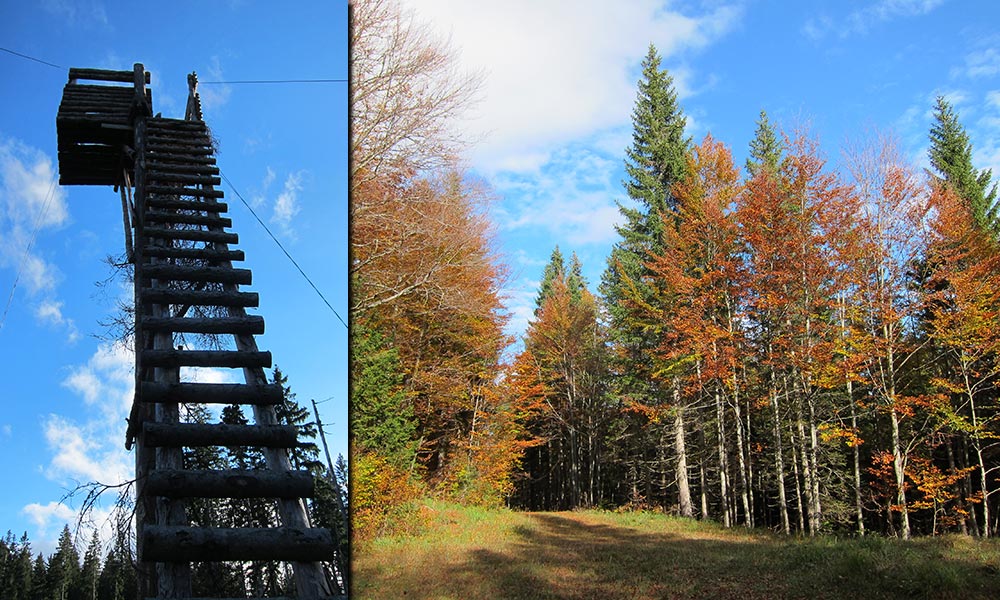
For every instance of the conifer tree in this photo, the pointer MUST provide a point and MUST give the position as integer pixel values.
(655, 162)
(554, 270)
(91, 571)
(64, 567)
(765, 148)
(951, 157)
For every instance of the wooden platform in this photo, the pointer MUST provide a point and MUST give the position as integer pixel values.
(94, 126)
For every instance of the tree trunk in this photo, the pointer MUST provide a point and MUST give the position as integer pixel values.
(683, 487)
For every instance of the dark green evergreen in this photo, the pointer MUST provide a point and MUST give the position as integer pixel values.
(655, 162)
(765, 148)
(950, 154)
(64, 568)
(381, 417)
(575, 281)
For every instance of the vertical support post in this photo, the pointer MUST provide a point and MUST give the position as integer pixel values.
(145, 461)
(343, 524)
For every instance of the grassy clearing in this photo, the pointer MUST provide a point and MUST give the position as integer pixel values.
(471, 553)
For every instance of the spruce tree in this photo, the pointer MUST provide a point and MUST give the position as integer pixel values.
(950, 154)
(765, 148)
(91, 572)
(655, 162)
(382, 419)
(554, 270)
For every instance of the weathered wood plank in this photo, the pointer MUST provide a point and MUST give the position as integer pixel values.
(164, 190)
(206, 254)
(251, 324)
(162, 543)
(230, 484)
(205, 358)
(186, 159)
(182, 168)
(210, 393)
(157, 149)
(202, 297)
(187, 178)
(199, 435)
(196, 235)
(186, 273)
(168, 203)
(103, 75)
(156, 216)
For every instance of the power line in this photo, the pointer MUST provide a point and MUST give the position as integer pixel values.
(275, 81)
(38, 60)
(316, 289)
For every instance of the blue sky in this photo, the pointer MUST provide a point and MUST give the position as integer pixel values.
(284, 147)
(561, 81)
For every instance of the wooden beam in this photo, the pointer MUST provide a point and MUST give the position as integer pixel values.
(196, 235)
(206, 358)
(189, 219)
(210, 393)
(251, 324)
(175, 203)
(163, 190)
(103, 75)
(202, 297)
(196, 435)
(207, 254)
(158, 149)
(207, 274)
(174, 483)
(163, 543)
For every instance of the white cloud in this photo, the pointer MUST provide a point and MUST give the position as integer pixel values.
(31, 203)
(50, 518)
(7, 430)
(78, 12)
(287, 204)
(50, 312)
(983, 63)
(106, 380)
(571, 197)
(258, 198)
(550, 85)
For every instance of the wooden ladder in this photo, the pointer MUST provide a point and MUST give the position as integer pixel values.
(182, 259)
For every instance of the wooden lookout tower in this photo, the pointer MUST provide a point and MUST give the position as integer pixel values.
(185, 283)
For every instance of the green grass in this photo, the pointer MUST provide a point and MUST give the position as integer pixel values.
(472, 553)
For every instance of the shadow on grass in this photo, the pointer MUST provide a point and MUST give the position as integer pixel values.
(565, 557)
(597, 556)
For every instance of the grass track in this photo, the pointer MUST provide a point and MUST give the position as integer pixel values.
(470, 553)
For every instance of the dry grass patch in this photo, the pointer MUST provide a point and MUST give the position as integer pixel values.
(471, 553)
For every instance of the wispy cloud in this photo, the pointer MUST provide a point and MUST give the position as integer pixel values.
(31, 203)
(571, 197)
(86, 13)
(50, 313)
(286, 206)
(213, 95)
(860, 21)
(260, 194)
(983, 63)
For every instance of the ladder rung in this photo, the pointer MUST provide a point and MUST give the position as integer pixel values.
(152, 175)
(208, 274)
(181, 168)
(211, 207)
(164, 543)
(205, 358)
(167, 124)
(210, 393)
(250, 324)
(178, 483)
(165, 190)
(189, 219)
(158, 149)
(196, 435)
(209, 254)
(167, 157)
(196, 235)
(202, 297)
